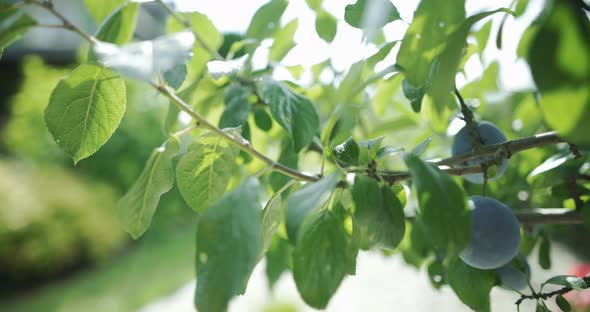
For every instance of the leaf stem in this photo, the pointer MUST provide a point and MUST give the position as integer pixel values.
(187, 23)
(240, 143)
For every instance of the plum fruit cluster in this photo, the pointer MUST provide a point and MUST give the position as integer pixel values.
(495, 231)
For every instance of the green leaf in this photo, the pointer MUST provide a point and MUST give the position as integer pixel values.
(347, 153)
(137, 207)
(314, 4)
(419, 149)
(228, 243)
(545, 252)
(378, 212)
(586, 214)
(175, 76)
(278, 258)
(266, 20)
(13, 26)
(271, 219)
(262, 119)
(283, 41)
(320, 258)
(370, 149)
(100, 10)
(562, 303)
(387, 150)
(436, 274)
(307, 201)
(206, 30)
(203, 173)
(471, 285)
(326, 26)
(559, 58)
(482, 36)
(354, 14)
(293, 111)
(414, 94)
(84, 110)
(237, 107)
(447, 65)
(425, 40)
(443, 206)
(570, 281)
(118, 28)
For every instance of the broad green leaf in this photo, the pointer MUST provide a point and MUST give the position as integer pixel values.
(379, 214)
(326, 26)
(118, 28)
(562, 303)
(425, 40)
(175, 76)
(206, 30)
(570, 281)
(293, 111)
(307, 201)
(320, 258)
(419, 149)
(283, 41)
(85, 109)
(262, 119)
(100, 10)
(347, 153)
(370, 149)
(137, 207)
(370, 13)
(554, 171)
(266, 20)
(13, 27)
(271, 219)
(278, 258)
(203, 173)
(521, 6)
(443, 206)
(471, 285)
(228, 243)
(237, 107)
(447, 64)
(559, 58)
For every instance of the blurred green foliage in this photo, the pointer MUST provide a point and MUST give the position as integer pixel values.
(52, 220)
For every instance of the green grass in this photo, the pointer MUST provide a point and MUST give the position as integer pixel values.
(155, 267)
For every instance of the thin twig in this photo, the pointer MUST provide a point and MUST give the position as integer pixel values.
(470, 122)
(547, 295)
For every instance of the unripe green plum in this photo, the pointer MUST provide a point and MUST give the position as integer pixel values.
(488, 134)
(512, 277)
(495, 234)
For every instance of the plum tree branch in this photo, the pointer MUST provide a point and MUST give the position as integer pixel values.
(507, 148)
(238, 142)
(547, 295)
(542, 216)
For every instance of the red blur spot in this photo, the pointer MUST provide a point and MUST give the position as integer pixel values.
(579, 299)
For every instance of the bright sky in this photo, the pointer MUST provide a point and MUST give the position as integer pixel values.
(235, 15)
